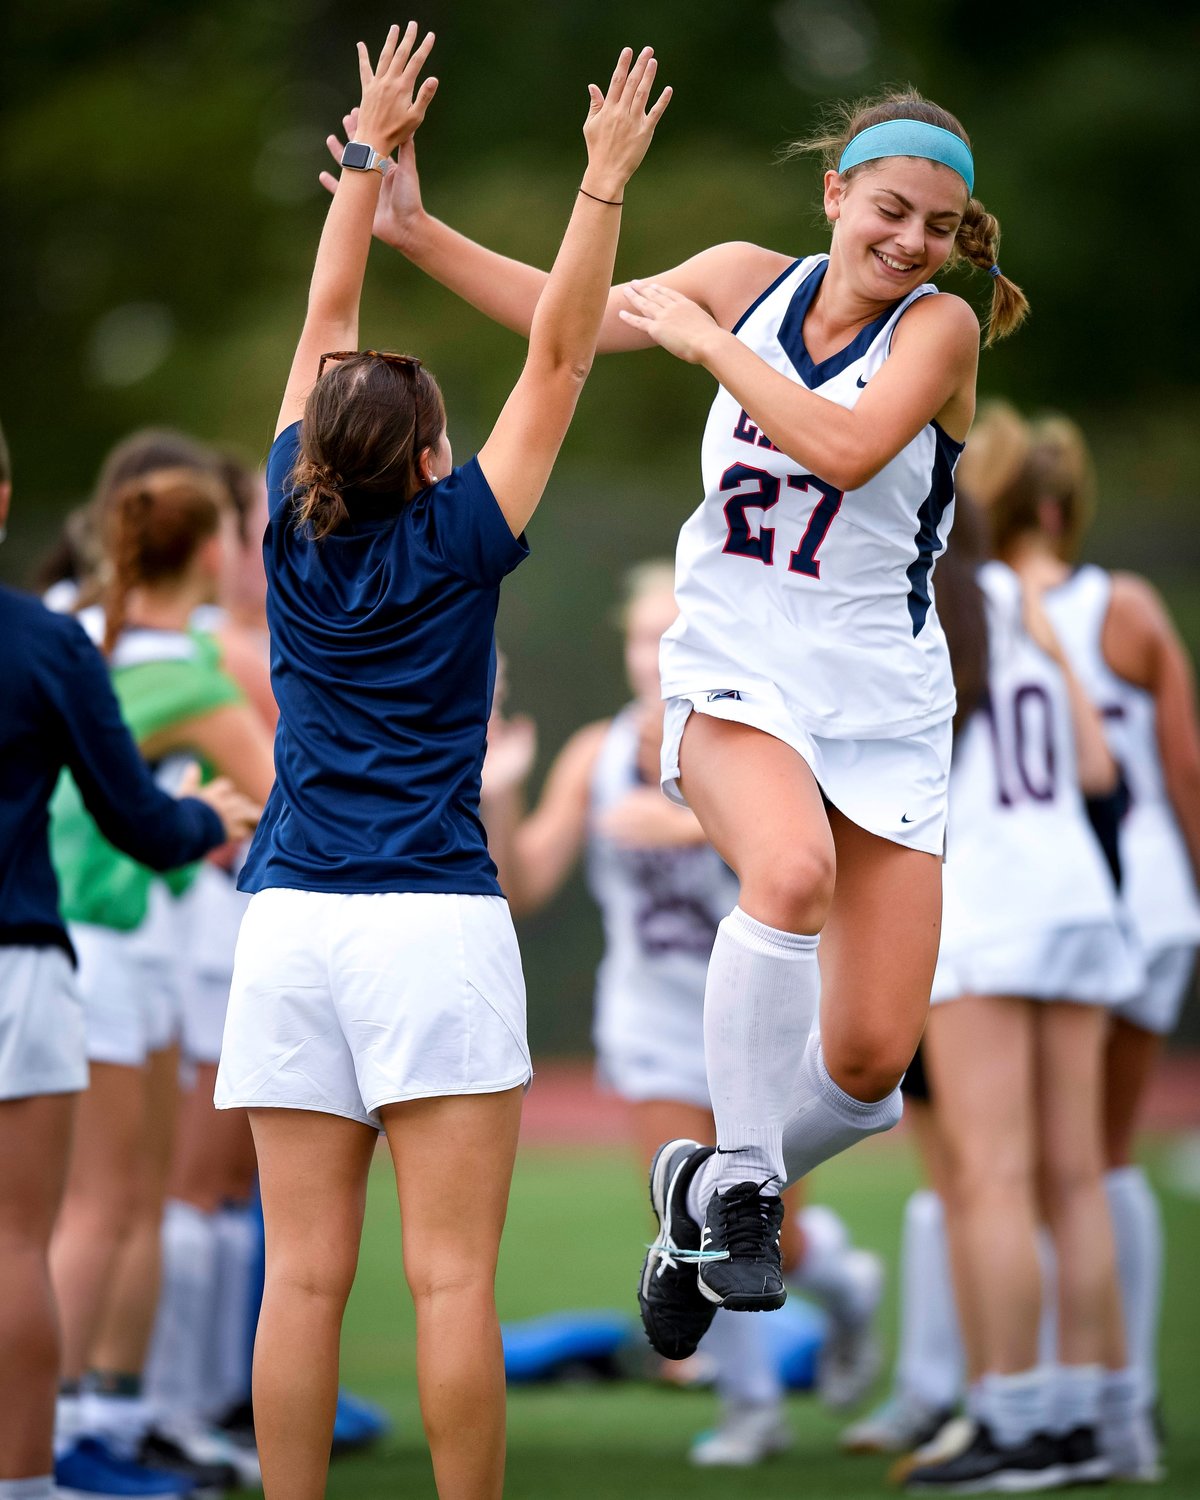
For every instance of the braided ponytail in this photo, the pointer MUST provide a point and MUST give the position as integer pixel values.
(978, 242)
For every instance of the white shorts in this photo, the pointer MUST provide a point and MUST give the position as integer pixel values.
(344, 1003)
(1094, 963)
(214, 909)
(41, 1024)
(1157, 1004)
(893, 788)
(655, 1052)
(131, 984)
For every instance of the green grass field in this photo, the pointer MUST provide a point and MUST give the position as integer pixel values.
(577, 1220)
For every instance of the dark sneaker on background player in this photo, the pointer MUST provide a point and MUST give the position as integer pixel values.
(674, 1314)
(983, 1466)
(739, 1249)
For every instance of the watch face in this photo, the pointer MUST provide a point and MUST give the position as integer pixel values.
(356, 154)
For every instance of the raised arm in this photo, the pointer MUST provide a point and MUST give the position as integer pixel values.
(724, 279)
(388, 115)
(519, 455)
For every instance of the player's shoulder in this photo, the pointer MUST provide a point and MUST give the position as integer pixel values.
(944, 316)
(731, 277)
(1136, 608)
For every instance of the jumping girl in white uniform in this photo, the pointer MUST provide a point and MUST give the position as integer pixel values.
(1126, 652)
(808, 723)
(662, 891)
(377, 981)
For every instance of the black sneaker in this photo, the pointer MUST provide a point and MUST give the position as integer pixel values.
(984, 1466)
(674, 1314)
(161, 1452)
(739, 1250)
(1080, 1452)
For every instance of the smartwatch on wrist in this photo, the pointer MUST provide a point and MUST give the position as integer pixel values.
(360, 157)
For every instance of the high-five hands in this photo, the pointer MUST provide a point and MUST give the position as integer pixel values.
(619, 127)
(392, 106)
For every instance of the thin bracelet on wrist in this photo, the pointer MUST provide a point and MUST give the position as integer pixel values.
(610, 202)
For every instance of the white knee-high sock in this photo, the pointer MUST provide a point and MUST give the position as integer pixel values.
(759, 1002)
(828, 1119)
(183, 1330)
(1048, 1323)
(747, 1374)
(239, 1249)
(931, 1366)
(1137, 1228)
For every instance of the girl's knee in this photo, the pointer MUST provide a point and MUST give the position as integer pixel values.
(792, 889)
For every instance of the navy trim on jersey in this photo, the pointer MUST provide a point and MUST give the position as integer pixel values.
(762, 296)
(791, 333)
(933, 508)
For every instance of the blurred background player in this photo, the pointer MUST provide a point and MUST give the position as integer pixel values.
(1033, 953)
(59, 708)
(662, 890)
(162, 556)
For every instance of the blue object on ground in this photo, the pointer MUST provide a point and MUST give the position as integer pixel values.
(358, 1423)
(90, 1467)
(794, 1336)
(560, 1344)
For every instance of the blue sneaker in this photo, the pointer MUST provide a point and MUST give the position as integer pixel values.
(357, 1424)
(90, 1467)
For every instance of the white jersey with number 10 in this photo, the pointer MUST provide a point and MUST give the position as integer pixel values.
(782, 578)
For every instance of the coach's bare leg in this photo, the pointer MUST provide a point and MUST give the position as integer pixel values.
(313, 1172)
(131, 1301)
(1070, 1040)
(98, 1206)
(35, 1137)
(980, 1054)
(452, 1222)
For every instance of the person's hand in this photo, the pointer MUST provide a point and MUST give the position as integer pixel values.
(511, 751)
(399, 206)
(392, 106)
(237, 813)
(645, 819)
(619, 127)
(672, 320)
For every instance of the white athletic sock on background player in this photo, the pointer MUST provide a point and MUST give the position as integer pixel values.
(930, 1366)
(747, 1374)
(1137, 1228)
(759, 1002)
(827, 1120)
(1014, 1407)
(176, 1367)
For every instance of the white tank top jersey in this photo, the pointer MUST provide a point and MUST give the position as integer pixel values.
(1020, 852)
(784, 578)
(660, 909)
(1157, 880)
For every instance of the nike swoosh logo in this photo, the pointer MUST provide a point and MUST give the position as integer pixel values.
(861, 383)
(736, 1151)
(904, 818)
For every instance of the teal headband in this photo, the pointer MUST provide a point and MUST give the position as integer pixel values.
(911, 138)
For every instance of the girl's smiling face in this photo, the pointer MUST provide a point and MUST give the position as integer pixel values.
(894, 223)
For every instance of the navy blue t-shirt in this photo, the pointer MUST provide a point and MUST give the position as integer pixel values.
(383, 659)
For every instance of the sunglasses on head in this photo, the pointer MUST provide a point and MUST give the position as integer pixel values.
(410, 360)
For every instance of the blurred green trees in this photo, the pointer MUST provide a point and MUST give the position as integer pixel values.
(158, 170)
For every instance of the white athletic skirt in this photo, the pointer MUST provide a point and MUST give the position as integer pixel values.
(41, 1024)
(131, 983)
(1157, 1004)
(345, 1003)
(1094, 963)
(894, 788)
